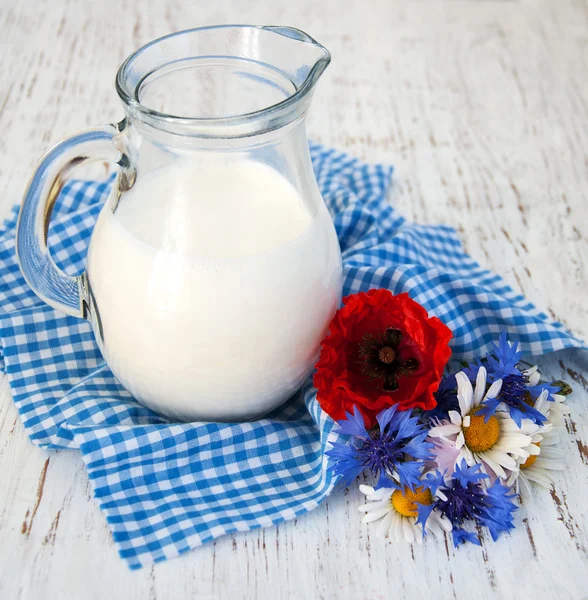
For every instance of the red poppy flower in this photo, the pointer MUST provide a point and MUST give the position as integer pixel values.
(381, 350)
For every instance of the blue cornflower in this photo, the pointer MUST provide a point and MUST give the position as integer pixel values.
(499, 508)
(397, 445)
(465, 475)
(535, 390)
(503, 360)
(461, 535)
(465, 500)
(433, 480)
(446, 397)
(514, 394)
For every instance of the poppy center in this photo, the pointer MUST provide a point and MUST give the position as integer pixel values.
(382, 360)
(481, 435)
(387, 355)
(405, 501)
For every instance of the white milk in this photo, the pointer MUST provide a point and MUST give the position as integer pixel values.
(214, 286)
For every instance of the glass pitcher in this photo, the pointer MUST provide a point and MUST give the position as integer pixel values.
(213, 269)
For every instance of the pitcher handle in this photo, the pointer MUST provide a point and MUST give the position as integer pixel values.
(51, 284)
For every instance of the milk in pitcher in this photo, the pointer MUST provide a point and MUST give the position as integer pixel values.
(221, 268)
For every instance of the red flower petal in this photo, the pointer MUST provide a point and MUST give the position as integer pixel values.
(340, 378)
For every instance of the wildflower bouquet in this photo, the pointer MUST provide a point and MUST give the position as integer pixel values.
(449, 453)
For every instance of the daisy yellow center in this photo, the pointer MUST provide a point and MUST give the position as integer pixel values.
(532, 458)
(405, 501)
(481, 435)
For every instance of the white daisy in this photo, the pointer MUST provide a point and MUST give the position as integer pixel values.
(397, 512)
(496, 443)
(547, 456)
(557, 409)
(540, 468)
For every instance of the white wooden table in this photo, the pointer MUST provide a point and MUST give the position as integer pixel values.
(482, 106)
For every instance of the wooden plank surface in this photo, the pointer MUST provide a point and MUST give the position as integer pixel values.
(482, 106)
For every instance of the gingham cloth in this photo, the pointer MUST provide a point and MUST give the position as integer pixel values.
(167, 487)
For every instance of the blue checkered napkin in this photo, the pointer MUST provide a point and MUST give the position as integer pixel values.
(167, 487)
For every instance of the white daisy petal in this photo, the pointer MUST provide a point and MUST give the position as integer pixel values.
(442, 523)
(494, 389)
(507, 450)
(441, 495)
(444, 430)
(433, 526)
(464, 392)
(494, 465)
(396, 527)
(480, 386)
(533, 376)
(455, 417)
(524, 486)
(557, 416)
(374, 515)
(512, 477)
(513, 439)
(372, 505)
(551, 452)
(408, 530)
(539, 478)
(503, 459)
(507, 424)
(550, 465)
(384, 525)
(381, 494)
(460, 441)
(468, 455)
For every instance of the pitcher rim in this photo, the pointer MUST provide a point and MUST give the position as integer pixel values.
(272, 112)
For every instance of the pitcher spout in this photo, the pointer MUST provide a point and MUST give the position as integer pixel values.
(312, 57)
